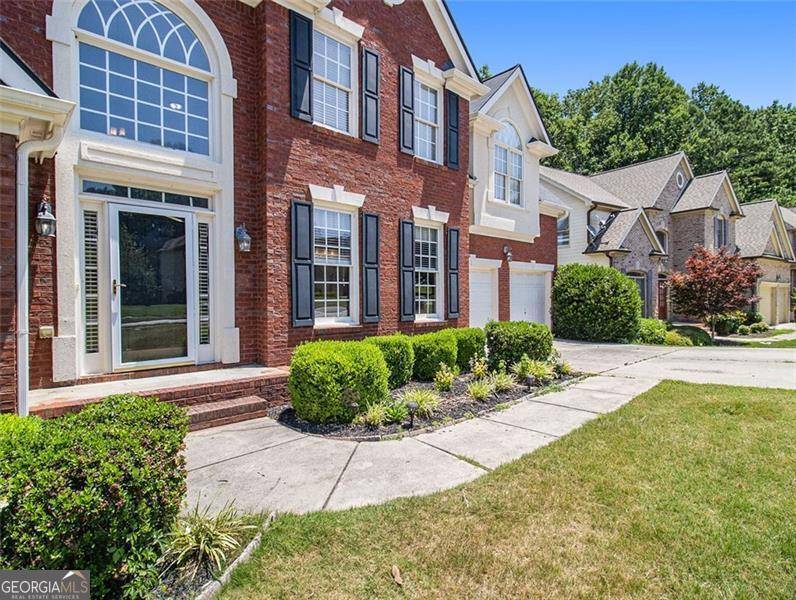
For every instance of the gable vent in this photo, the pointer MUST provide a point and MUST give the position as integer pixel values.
(90, 279)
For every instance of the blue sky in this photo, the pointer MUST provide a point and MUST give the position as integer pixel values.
(747, 48)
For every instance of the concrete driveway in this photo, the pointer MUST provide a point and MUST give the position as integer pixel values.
(262, 465)
(757, 367)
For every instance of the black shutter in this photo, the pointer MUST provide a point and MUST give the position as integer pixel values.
(302, 268)
(406, 268)
(370, 269)
(453, 272)
(452, 134)
(406, 110)
(371, 74)
(300, 66)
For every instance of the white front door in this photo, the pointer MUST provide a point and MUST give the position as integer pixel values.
(153, 288)
(528, 297)
(483, 297)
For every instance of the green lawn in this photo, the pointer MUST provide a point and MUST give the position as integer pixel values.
(771, 344)
(697, 335)
(687, 492)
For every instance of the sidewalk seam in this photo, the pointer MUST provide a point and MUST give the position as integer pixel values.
(223, 460)
(553, 435)
(457, 457)
(340, 476)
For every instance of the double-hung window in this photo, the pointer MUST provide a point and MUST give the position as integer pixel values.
(427, 122)
(721, 231)
(508, 165)
(331, 82)
(428, 263)
(334, 265)
(562, 231)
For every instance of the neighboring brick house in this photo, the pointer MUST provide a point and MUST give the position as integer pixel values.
(763, 237)
(512, 232)
(670, 212)
(328, 138)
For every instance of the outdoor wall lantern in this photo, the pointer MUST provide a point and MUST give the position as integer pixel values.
(507, 252)
(45, 221)
(243, 238)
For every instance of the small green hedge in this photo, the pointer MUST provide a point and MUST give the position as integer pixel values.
(97, 490)
(399, 356)
(652, 331)
(729, 323)
(330, 381)
(470, 344)
(595, 303)
(673, 338)
(507, 341)
(431, 349)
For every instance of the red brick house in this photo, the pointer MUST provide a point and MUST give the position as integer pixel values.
(227, 179)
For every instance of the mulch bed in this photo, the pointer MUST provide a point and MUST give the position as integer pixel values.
(454, 406)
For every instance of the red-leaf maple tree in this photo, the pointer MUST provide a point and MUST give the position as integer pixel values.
(713, 283)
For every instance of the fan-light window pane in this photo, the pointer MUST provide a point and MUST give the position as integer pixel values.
(508, 165)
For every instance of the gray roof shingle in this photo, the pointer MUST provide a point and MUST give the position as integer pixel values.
(753, 231)
(640, 184)
(493, 83)
(583, 186)
(700, 192)
(615, 234)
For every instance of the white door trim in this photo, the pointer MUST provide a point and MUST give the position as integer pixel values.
(190, 283)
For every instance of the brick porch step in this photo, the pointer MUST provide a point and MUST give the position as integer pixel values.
(223, 412)
(235, 393)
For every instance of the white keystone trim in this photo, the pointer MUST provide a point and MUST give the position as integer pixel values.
(427, 72)
(333, 18)
(430, 214)
(336, 195)
(307, 7)
(463, 85)
(551, 209)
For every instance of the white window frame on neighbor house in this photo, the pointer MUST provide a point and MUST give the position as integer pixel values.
(331, 23)
(512, 152)
(337, 200)
(560, 231)
(92, 155)
(428, 76)
(432, 219)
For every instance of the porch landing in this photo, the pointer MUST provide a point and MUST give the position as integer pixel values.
(213, 397)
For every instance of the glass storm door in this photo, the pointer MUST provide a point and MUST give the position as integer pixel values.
(152, 286)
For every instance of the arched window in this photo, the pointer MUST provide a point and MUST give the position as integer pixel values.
(508, 165)
(126, 93)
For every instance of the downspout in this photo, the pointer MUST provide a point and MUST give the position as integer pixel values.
(24, 151)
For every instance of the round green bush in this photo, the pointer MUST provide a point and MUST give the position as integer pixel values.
(470, 344)
(753, 317)
(652, 331)
(758, 327)
(672, 338)
(431, 350)
(729, 323)
(399, 356)
(330, 381)
(507, 341)
(595, 303)
(744, 330)
(99, 489)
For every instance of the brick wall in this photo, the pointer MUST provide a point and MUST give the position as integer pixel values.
(8, 257)
(638, 260)
(299, 153)
(543, 250)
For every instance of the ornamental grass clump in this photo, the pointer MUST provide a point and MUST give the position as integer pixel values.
(479, 367)
(396, 411)
(479, 390)
(501, 382)
(443, 378)
(374, 415)
(426, 401)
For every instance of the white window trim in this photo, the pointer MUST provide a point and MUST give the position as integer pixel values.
(333, 24)
(439, 316)
(569, 232)
(680, 179)
(336, 195)
(430, 215)
(427, 73)
(353, 319)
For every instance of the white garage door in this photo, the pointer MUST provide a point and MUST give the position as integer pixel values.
(483, 301)
(782, 304)
(528, 297)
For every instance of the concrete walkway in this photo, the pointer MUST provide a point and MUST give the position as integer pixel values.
(262, 465)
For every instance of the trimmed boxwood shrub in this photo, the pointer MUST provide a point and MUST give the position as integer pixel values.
(330, 381)
(470, 343)
(729, 323)
(98, 489)
(595, 303)
(673, 338)
(508, 341)
(652, 331)
(399, 356)
(431, 349)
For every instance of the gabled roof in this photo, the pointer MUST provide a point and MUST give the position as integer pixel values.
(497, 85)
(702, 190)
(641, 183)
(612, 238)
(789, 216)
(17, 73)
(581, 186)
(753, 232)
